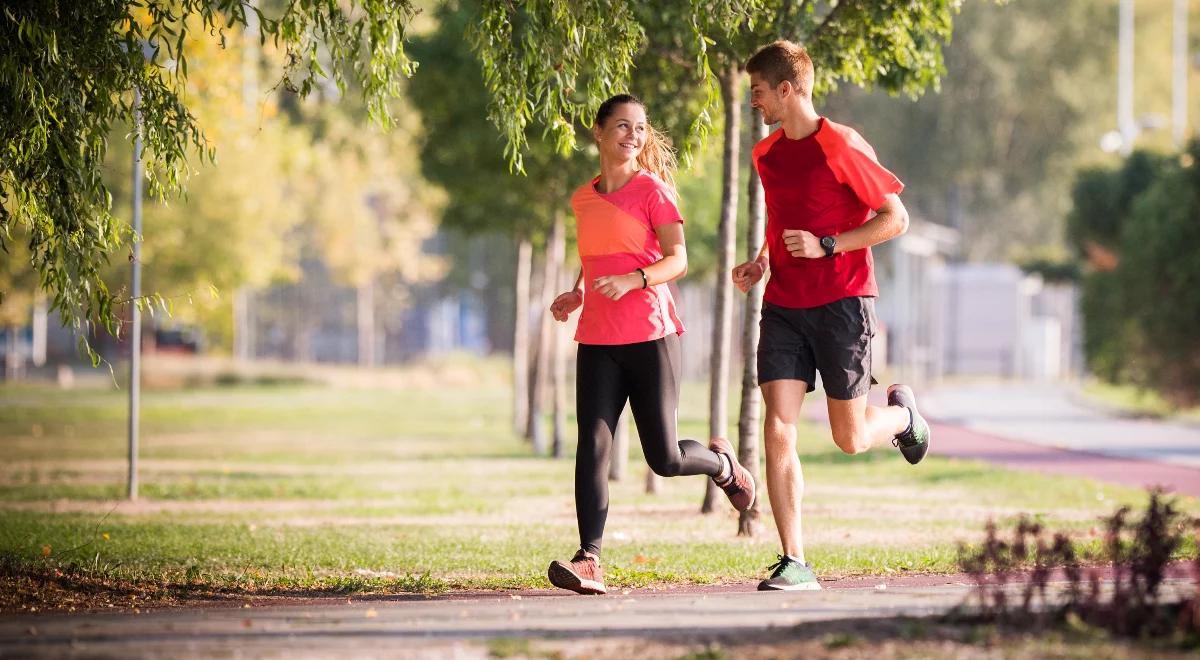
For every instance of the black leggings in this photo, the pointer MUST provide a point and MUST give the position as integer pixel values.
(647, 375)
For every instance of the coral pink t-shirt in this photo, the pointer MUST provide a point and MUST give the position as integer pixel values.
(615, 234)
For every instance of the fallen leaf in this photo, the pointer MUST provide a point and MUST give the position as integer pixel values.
(246, 623)
(104, 536)
(45, 551)
(371, 613)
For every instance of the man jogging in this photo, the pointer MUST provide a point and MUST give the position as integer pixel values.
(828, 201)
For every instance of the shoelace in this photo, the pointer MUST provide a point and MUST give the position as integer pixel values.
(777, 567)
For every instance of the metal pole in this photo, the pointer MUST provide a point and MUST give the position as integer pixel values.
(135, 351)
(1179, 87)
(1125, 122)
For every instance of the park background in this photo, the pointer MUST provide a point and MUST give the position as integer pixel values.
(350, 383)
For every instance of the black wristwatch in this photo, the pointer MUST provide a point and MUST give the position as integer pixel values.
(828, 243)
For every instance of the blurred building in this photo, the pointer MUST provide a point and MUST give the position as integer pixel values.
(944, 318)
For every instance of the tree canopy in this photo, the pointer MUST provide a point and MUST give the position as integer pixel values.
(552, 62)
(68, 70)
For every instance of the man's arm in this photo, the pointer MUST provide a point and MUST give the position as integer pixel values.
(890, 221)
(748, 274)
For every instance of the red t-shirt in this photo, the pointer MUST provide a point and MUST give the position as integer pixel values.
(616, 235)
(826, 183)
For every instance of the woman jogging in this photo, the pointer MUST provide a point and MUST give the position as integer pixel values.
(630, 238)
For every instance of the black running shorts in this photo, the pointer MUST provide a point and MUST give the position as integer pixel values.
(833, 339)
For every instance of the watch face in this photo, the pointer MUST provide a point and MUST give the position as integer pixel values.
(827, 242)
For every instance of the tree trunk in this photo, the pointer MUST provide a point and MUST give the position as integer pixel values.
(653, 481)
(533, 392)
(545, 357)
(12, 358)
(521, 336)
(538, 377)
(560, 341)
(366, 323)
(40, 326)
(749, 438)
(718, 415)
(619, 466)
(243, 326)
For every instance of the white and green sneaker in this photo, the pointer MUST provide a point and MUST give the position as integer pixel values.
(790, 575)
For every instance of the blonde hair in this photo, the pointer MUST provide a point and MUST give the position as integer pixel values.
(657, 156)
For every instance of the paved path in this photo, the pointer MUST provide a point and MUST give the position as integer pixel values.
(467, 625)
(1052, 415)
(1043, 428)
(442, 626)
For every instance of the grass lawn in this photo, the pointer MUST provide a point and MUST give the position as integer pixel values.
(424, 487)
(1131, 400)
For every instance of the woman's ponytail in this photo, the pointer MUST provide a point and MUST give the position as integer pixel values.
(658, 156)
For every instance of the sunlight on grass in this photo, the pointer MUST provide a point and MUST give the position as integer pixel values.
(428, 488)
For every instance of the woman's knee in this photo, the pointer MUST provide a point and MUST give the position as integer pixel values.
(666, 466)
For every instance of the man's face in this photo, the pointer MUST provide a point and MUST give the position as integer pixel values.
(766, 99)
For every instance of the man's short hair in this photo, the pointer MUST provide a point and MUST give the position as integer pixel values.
(783, 60)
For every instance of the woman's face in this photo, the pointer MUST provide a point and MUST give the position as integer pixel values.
(623, 134)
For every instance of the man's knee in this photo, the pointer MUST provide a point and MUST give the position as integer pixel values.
(779, 438)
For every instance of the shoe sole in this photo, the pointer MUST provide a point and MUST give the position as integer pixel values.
(804, 586)
(563, 577)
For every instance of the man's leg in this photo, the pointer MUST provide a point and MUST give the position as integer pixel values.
(857, 426)
(842, 332)
(785, 482)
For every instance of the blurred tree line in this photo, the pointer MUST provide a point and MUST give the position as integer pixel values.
(1137, 228)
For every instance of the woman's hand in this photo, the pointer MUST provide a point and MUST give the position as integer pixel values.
(566, 303)
(615, 286)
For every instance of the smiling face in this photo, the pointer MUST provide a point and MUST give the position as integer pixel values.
(766, 98)
(622, 135)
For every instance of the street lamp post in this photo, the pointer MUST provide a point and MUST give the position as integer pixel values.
(135, 351)
(135, 338)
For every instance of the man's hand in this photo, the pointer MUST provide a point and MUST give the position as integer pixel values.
(748, 274)
(802, 244)
(615, 286)
(566, 303)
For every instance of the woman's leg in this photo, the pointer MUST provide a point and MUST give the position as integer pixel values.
(652, 372)
(599, 399)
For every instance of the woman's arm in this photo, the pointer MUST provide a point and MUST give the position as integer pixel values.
(672, 266)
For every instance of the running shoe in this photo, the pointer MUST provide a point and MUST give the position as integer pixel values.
(790, 575)
(913, 442)
(582, 574)
(739, 487)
